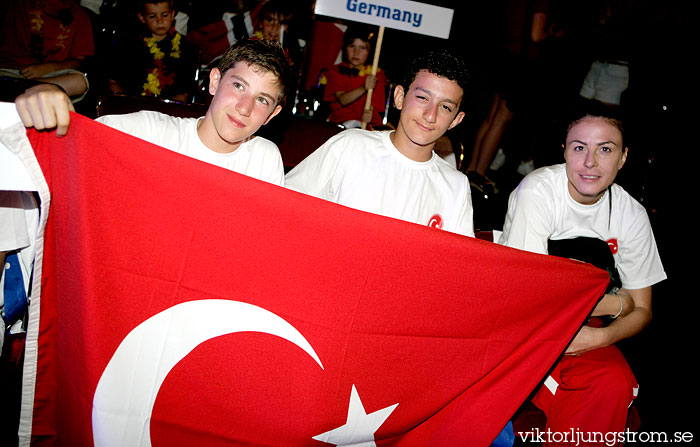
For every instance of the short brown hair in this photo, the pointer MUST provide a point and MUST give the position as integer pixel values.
(142, 4)
(616, 123)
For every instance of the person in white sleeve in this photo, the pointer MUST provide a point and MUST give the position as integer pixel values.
(248, 88)
(592, 386)
(19, 219)
(397, 173)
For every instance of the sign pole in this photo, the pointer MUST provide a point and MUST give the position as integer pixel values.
(375, 63)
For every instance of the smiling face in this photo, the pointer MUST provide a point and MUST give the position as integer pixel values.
(158, 17)
(245, 98)
(357, 52)
(429, 108)
(593, 153)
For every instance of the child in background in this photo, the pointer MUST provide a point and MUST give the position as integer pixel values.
(159, 62)
(348, 82)
(46, 41)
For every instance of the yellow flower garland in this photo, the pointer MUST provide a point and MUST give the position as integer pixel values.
(153, 48)
(152, 83)
(175, 52)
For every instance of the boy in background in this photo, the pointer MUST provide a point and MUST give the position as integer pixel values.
(158, 61)
(347, 83)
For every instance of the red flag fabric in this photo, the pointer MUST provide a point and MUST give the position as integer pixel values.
(324, 50)
(183, 304)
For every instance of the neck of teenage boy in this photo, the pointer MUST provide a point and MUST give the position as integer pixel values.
(209, 137)
(409, 149)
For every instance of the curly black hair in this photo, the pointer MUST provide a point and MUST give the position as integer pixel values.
(441, 62)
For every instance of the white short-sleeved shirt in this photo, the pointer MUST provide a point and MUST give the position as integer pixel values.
(364, 170)
(19, 223)
(257, 157)
(541, 208)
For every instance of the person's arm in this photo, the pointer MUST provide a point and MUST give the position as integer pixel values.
(347, 98)
(465, 223)
(40, 70)
(589, 338)
(619, 304)
(528, 220)
(45, 106)
(114, 86)
(321, 171)
(73, 83)
(13, 225)
(538, 32)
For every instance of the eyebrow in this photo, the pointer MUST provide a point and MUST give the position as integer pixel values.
(267, 95)
(449, 100)
(602, 143)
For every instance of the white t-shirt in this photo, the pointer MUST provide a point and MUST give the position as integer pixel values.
(257, 157)
(541, 208)
(19, 222)
(364, 170)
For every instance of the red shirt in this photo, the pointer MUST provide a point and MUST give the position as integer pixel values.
(38, 31)
(338, 79)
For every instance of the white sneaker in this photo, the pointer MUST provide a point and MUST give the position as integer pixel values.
(498, 160)
(526, 167)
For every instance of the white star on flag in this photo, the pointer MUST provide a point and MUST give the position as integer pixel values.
(359, 429)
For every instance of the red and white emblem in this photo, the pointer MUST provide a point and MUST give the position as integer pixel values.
(435, 221)
(612, 243)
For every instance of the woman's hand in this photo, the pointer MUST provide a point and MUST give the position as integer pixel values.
(587, 339)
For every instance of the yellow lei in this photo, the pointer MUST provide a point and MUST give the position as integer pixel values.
(158, 53)
(152, 83)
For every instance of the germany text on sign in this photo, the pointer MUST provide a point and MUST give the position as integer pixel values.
(405, 15)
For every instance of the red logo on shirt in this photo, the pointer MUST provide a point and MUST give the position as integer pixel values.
(435, 221)
(612, 243)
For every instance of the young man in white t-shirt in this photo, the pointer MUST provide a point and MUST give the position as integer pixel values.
(396, 173)
(248, 88)
(592, 386)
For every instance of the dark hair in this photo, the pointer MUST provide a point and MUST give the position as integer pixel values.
(268, 55)
(441, 62)
(275, 9)
(362, 32)
(142, 4)
(611, 121)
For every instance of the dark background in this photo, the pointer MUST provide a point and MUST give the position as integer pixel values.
(659, 170)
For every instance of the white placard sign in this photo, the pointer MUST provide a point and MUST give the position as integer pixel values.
(405, 15)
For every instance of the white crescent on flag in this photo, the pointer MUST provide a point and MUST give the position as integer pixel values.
(127, 390)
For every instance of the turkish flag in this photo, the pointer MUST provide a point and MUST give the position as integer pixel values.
(325, 50)
(183, 304)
